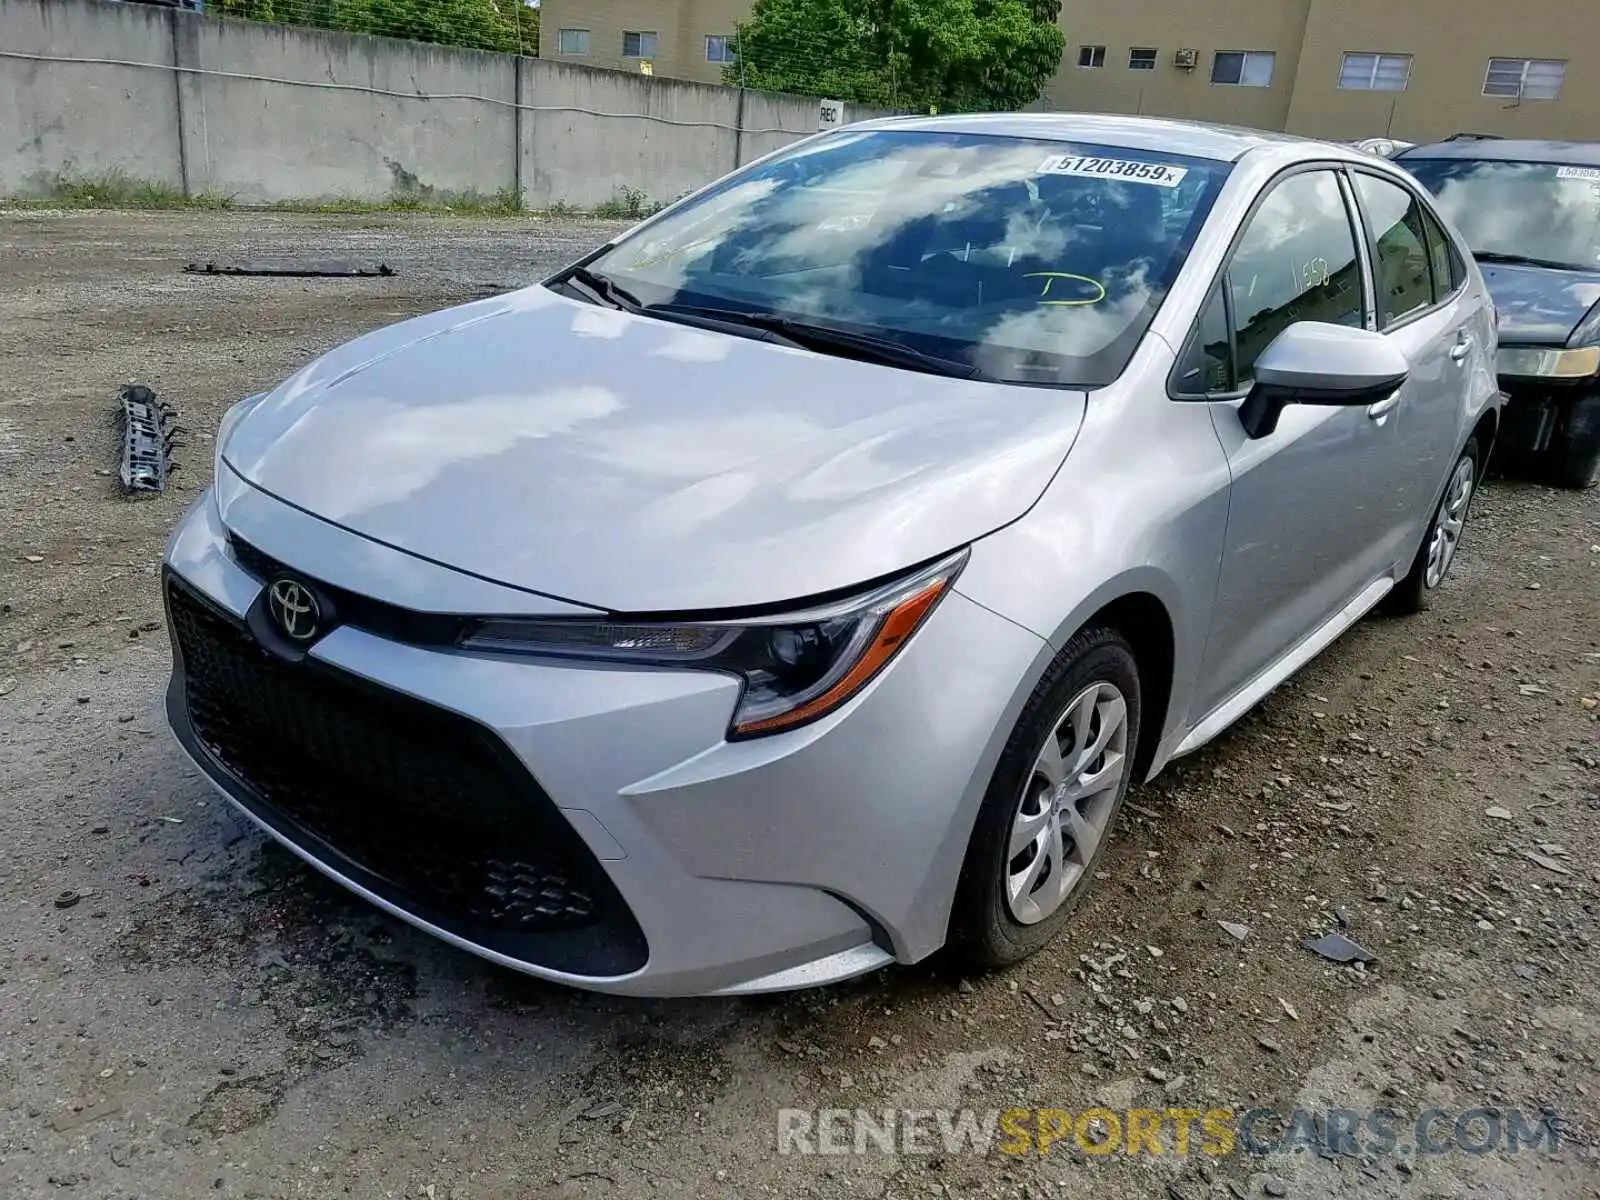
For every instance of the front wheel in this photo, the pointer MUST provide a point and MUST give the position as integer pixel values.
(1051, 805)
(1434, 557)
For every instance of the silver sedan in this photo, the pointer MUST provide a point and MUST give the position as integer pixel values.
(798, 583)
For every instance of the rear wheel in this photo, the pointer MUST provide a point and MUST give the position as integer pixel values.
(1052, 803)
(1437, 553)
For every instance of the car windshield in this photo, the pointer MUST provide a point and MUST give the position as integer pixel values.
(1542, 211)
(1038, 262)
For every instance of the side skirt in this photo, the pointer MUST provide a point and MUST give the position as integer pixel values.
(1298, 655)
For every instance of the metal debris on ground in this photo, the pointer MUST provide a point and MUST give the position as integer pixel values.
(1235, 930)
(149, 435)
(1335, 947)
(315, 269)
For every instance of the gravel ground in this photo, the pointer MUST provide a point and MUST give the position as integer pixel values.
(186, 1011)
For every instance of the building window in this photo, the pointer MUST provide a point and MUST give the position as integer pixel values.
(1525, 78)
(1243, 68)
(1141, 58)
(1091, 56)
(638, 45)
(1375, 72)
(719, 48)
(572, 41)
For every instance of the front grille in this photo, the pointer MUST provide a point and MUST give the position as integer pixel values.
(429, 808)
(386, 620)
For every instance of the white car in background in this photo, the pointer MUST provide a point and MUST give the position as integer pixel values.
(1383, 147)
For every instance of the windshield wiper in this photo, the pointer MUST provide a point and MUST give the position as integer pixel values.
(1523, 260)
(782, 330)
(865, 346)
(602, 289)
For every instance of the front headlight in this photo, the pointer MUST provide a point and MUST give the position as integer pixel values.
(796, 667)
(1536, 362)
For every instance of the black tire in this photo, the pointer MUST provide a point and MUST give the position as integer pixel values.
(1414, 594)
(983, 931)
(1577, 455)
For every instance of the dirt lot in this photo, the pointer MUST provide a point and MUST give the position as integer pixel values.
(208, 1017)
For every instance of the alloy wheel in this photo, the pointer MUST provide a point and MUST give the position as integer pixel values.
(1447, 525)
(1067, 803)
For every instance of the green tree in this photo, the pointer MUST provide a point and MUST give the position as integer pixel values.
(256, 10)
(933, 55)
(476, 24)
(524, 21)
(508, 25)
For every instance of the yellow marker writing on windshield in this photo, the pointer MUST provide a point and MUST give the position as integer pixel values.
(1051, 276)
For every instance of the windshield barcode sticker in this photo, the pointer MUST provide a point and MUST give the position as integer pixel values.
(1590, 173)
(1159, 174)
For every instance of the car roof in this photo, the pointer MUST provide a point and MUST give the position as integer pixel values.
(1493, 149)
(1196, 139)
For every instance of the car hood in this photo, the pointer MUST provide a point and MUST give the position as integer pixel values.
(1537, 305)
(631, 464)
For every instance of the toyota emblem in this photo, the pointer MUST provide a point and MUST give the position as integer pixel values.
(294, 610)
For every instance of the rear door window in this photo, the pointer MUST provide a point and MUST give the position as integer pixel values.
(1448, 271)
(1404, 273)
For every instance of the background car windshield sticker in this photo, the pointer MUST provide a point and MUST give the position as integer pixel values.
(1063, 296)
(1124, 169)
(1590, 173)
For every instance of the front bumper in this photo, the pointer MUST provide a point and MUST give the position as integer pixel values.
(1539, 414)
(623, 844)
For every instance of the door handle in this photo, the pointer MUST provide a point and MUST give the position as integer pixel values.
(1380, 409)
(1462, 348)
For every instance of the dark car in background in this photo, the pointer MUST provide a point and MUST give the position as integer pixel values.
(1530, 211)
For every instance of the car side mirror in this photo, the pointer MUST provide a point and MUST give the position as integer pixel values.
(1315, 363)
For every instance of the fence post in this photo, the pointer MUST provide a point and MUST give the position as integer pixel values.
(738, 112)
(519, 94)
(738, 129)
(192, 159)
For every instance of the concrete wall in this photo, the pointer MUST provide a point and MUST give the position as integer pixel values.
(88, 121)
(267, 112)
(268, 141)
(679, 135)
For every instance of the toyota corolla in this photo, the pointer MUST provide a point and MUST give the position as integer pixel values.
(797, 584)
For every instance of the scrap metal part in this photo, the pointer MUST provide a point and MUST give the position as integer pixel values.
(296, 270)
(149, 436)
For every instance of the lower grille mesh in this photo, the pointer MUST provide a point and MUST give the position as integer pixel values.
(425, 802)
